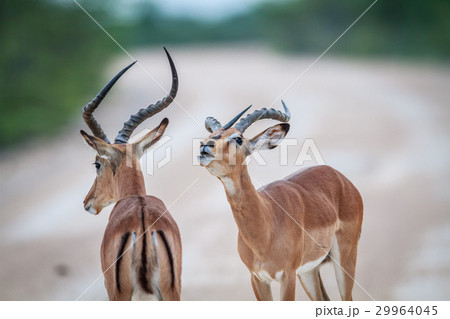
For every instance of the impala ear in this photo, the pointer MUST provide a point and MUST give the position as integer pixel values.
(151, 138)
(103, 148)
(88, 139)
(270, 138)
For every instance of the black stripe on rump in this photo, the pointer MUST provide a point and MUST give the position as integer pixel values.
(123, 243)
(143, 268)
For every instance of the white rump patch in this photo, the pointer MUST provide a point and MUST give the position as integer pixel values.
(278, 275)
(310, 265)
(155, 242)
(337, 266)
(143, 296)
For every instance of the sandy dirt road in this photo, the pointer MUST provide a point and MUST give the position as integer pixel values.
(384, 125)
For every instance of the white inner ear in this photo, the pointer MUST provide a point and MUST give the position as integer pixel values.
(276, 138)
(149, 141)
(268, 139)
(88, 143)
(260, 142)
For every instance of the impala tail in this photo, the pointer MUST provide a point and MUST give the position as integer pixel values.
(145, 268)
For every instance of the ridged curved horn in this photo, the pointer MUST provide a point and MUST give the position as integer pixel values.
(143, 114)
(264, 114)
(237, 117)
(212, 125)
(88, 109)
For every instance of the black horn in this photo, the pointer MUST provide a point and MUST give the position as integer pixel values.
(88, 109)
(145, 113)
(237, 117)
(264, 114)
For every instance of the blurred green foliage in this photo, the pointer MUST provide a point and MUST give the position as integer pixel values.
(151, 27)
(53, 54)
(403, 28)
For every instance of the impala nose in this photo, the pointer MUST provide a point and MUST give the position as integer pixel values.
(88, 207)
(206, 149)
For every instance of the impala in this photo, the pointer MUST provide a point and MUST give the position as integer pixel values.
(290, 227)
(141, 247)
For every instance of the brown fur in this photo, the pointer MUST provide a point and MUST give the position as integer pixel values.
(318, 201)
(146, 271)
(126, 217)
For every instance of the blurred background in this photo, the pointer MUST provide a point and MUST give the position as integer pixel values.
(376, 105)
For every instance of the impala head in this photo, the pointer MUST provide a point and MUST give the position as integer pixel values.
(223, 153)
(118, 158)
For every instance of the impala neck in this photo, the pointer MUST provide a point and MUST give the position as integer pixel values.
(249, 209)
(130, 182)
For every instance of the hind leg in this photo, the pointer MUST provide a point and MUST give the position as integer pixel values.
(312, 283)
(324, 292)
(261, 289)
(344, 255)
(288, 286)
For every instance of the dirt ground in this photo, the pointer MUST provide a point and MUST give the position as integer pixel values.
(384, 124)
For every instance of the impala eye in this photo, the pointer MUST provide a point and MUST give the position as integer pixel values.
(97, 165)
(238, 140)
